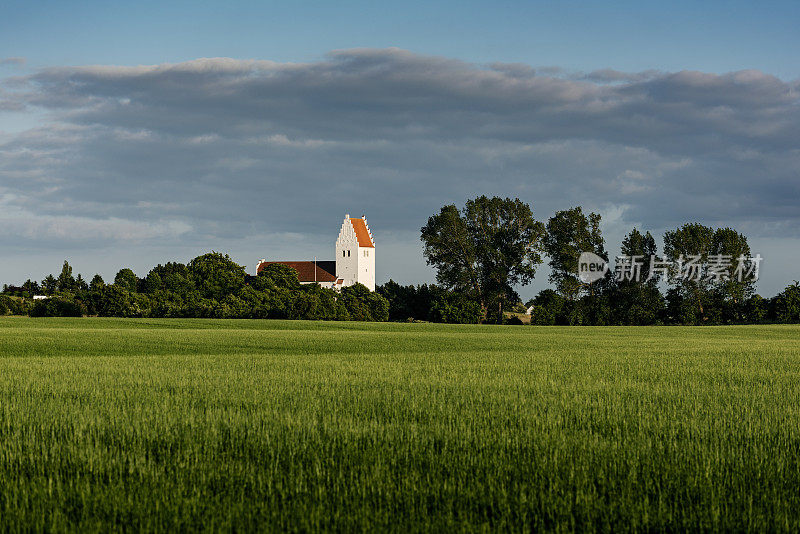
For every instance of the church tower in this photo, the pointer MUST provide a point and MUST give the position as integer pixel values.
(355, 253)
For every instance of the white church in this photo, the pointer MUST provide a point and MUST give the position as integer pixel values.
(355, 259)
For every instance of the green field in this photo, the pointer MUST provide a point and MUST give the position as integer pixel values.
(112, 424)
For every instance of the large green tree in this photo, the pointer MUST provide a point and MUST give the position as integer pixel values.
(127, 280)
(688, 248)
(570, 233)
(641, 247)
(485, 250)
(636, 299)
(705, 271)
(787, 304)
(730, 245)
(66, 282)
(216, 275)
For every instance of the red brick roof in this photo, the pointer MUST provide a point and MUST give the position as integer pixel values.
(362, 234)
(305, 270)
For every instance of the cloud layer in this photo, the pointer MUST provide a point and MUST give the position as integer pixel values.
(222, 148)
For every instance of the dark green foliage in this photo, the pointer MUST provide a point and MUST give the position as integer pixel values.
(152, 283)
(49, 285)
(116, 301)
(364, 305)
(643, 247)
(97, 283)
(756, 310)
(484, 251)
(570, 233)
(57, 307)
(449, 307)
(26, 290)
(429, 303)
(176, 290)
(215, 275)
(14, 305)
(277, 275)
(126, 279)
(715, 299)
(636, 304)
(65, 281)
(548, 308)
(173, 277)
(787, 305)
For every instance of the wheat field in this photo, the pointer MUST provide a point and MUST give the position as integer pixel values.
(181, 425)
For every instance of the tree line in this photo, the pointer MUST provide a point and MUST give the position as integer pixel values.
(481, 253)
(492, 245)
(209, 286)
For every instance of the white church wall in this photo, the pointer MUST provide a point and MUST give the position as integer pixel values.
(366, 267)
(353, 262)
(347, 253)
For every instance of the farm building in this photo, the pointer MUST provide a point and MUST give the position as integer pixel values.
(354, 263)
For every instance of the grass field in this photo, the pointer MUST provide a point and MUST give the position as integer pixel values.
(185, 424)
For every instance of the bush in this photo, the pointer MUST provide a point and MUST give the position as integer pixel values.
(456, 309)
(548, 308)
(57, 307)
(363, 305)
(114, 301)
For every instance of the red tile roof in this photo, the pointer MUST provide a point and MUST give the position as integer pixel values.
(305, 270)
(362, 234)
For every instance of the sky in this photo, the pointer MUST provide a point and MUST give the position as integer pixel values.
(133, 134)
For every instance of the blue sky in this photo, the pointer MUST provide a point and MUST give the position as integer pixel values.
(119, 147)
(711, 36)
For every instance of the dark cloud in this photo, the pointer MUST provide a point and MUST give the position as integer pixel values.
(222, 149)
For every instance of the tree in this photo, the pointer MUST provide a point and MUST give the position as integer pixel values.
(97, 283)
(49, 284)
(787, 304)
(706, 260)
(570, 233)
(117, 301)
(548, 308)
(364, 305)
(174, 277)
(80, 283)
(57, 307)
(486, 250)
(450, 307)
(278, 275)
(31, 287)
(643, 247)
(126, 279)
(215, 275)
(688, 248)
(153, 282)
(637, 300)
(733, 292)
(66, 282)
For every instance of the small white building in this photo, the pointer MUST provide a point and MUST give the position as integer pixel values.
(355, 259)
